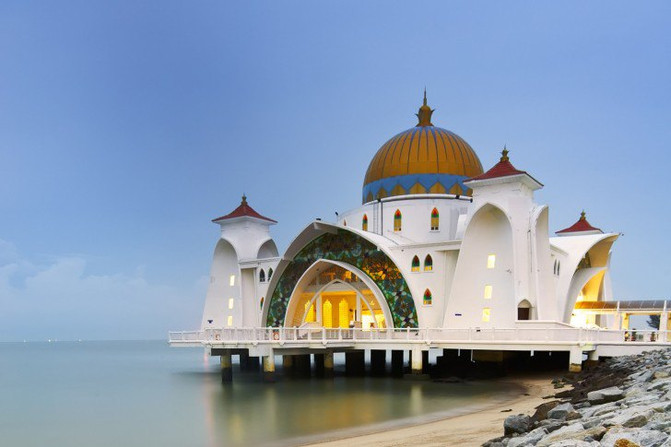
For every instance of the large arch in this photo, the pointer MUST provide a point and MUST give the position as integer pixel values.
(268, 249)
(347, 247)
(322, 265)
(224, 266)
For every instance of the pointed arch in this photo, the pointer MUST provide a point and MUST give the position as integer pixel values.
(415, 264)
(364, 222)
(262, 275)
(428, 298)
(270, 273)
(435, 220)
(398, 217)
(428, 263)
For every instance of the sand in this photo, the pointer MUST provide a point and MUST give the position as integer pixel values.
(472, 429)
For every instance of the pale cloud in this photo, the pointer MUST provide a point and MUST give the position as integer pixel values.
(59, 299)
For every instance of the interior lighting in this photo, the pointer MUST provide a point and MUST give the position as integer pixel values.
(231, 280)
(491, 261)
(488, 292)
(486, 313)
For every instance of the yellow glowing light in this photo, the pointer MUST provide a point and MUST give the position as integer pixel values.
(327, 314)
(229, 322)
(231, 280)
(343, 313)
(488, 292)
(486, 313)
(380, 320)
(309, 312)
(231, 301)
(491, 261)
(367, 321)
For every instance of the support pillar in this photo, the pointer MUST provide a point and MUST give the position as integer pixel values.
(663, 327)
(269, 367)
(426, 366)
(226, 367)
(355, 363)
(319, 364)
(244, 360)
(378, 362)
(287, 364)
(575, 359)
(416, 358)
(397, 363)
(328, 364)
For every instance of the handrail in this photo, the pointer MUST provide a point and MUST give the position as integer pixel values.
(325, 336)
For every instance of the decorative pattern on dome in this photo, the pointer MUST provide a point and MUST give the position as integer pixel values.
(421, 160)
(352, 249)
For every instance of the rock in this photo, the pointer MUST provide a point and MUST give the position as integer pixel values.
(517, 423)
(564, 433)
(529, 439)
(625, 443)
(605, 395)
(560, 411)
(630, 417)
(642, 437)
(660, 374)
(542, 410)
(573, 415)
(575, 443)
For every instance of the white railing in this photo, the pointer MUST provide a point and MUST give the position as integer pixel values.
(325, 336)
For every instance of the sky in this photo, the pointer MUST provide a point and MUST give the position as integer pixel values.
(125, 127)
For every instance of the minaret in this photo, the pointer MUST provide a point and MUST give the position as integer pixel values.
(243, 249)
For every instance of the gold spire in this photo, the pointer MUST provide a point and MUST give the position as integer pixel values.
(582, 215)
(504, 154)
(244, 199)
(424, 114)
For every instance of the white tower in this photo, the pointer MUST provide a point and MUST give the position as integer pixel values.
(244, 258)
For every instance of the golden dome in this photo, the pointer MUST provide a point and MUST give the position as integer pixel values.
(423, 159)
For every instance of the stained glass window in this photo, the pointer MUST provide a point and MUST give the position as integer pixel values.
(428, 298)
(435, 219)
(364, 223)
(397, 220)
(428, 263)
(415, 264)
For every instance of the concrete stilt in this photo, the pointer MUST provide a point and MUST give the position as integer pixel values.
(269, 367)
(244, 360)
(416, 358)
(378, 362)
(319, 364)
(426, 366)
(355, 363)
(575, 359)
(328, 364)
(287, 364)
(397, 363)
(226, 367)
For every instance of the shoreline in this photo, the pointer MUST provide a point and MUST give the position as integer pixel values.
(472, 425)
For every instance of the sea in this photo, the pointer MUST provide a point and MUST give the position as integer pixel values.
(145, 393)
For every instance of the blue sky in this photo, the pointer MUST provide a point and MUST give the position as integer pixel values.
(126, 126)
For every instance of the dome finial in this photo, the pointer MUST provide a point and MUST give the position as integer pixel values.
(583, 215)
(424, 114)
(244, 199)
(504, 154)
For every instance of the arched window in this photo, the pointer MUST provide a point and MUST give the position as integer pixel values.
(524, 310)
(428, 298)
(364, 223)
(327, 314)
(415, 264)
(270, 274)
(261, 304)
(397, 220)
(262, 276)
(344, 223)
(428, 263)
(435, 219)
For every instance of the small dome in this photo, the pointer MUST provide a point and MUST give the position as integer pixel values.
(421, 160)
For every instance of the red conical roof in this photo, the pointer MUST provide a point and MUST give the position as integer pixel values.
(503, 168)
(244, 210)
(580, 226)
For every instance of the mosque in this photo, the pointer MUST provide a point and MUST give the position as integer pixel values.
(437, 244)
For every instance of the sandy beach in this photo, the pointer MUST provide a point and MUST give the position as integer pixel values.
(471, 429)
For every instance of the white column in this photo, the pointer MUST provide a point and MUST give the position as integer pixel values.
(416, 361)
(575, 359)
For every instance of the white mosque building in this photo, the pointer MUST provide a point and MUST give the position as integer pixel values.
(437, 243)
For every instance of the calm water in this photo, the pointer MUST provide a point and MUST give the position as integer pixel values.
(146, 394)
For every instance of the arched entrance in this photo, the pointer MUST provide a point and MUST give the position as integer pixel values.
(333, 294)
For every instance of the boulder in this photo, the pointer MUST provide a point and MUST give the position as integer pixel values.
(542, 410)
(630, 417)
(529, 439)
(605, 395)
(564, 433)
(560, 411)
(517, 423)
(575, 443)
(642, 437)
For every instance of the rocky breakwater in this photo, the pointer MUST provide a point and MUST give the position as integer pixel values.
(622, 402)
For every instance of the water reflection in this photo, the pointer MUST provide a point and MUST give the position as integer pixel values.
(251, 412)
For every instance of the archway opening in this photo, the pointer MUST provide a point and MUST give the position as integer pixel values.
(334, 297)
